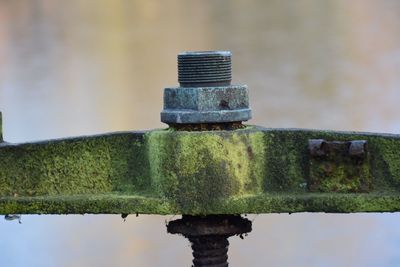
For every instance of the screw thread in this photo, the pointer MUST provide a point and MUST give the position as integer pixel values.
(209, 236)
(207, 68)
(210, 251)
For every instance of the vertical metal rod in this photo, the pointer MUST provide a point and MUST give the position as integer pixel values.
(209, 235)
(210, 251)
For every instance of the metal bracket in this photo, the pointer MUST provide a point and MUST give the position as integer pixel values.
(338, 166)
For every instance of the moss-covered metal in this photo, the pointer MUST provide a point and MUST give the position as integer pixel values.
(335, 170)
(249, 170)
(84, 165)
(196, 169)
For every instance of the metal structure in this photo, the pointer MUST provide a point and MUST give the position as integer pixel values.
(207, 166)
(209, 236)
(206, 95)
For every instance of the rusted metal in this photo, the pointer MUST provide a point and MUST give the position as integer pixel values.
(228, 168)
(320, 147)
(358, 148)
(226, 126)
(205, 95)
(315, 146)
(13, 217)
(209, 236)
(204, 69)
(339, 166)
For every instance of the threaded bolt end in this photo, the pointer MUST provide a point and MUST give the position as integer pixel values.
(210, 251)
(205, 68)
(209, 236)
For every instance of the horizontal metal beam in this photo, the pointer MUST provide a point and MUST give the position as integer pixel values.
(250, 204)
(251, 170)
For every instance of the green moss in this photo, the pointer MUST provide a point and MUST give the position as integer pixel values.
(89, 165)
(285, 161)
(261, 203)
(337, 171)
(130, 169)
(80, 204)
(251, 170)
(314, 202)
(387, 159)
(196, 169)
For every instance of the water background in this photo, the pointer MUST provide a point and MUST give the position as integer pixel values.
(85, 67)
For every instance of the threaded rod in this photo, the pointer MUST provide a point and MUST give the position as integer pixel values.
(210, 251)
(209, 236)
(205, 68)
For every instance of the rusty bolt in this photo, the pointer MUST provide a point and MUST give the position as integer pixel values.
(315, 146)
(204, 68)
(205, 95)
(357, 148)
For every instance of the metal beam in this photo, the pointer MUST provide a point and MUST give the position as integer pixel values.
(250, 170)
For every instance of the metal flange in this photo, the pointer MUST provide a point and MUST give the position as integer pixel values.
(206, 105)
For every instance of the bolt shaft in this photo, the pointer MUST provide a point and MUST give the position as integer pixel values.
(209, 236)
(210, 251)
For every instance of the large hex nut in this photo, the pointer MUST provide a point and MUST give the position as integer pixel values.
(206, 104)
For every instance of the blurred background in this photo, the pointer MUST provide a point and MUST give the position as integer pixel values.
(85, 67)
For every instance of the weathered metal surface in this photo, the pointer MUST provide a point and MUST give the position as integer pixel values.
(13, 217)
(83, 165)
(339, 166)
(229, 126)
(209, 236)
(250, 170)
(358, 149)
(204, 68)
(205, 95)
(206, 105)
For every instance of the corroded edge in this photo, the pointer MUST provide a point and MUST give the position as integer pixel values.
(218, 104)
